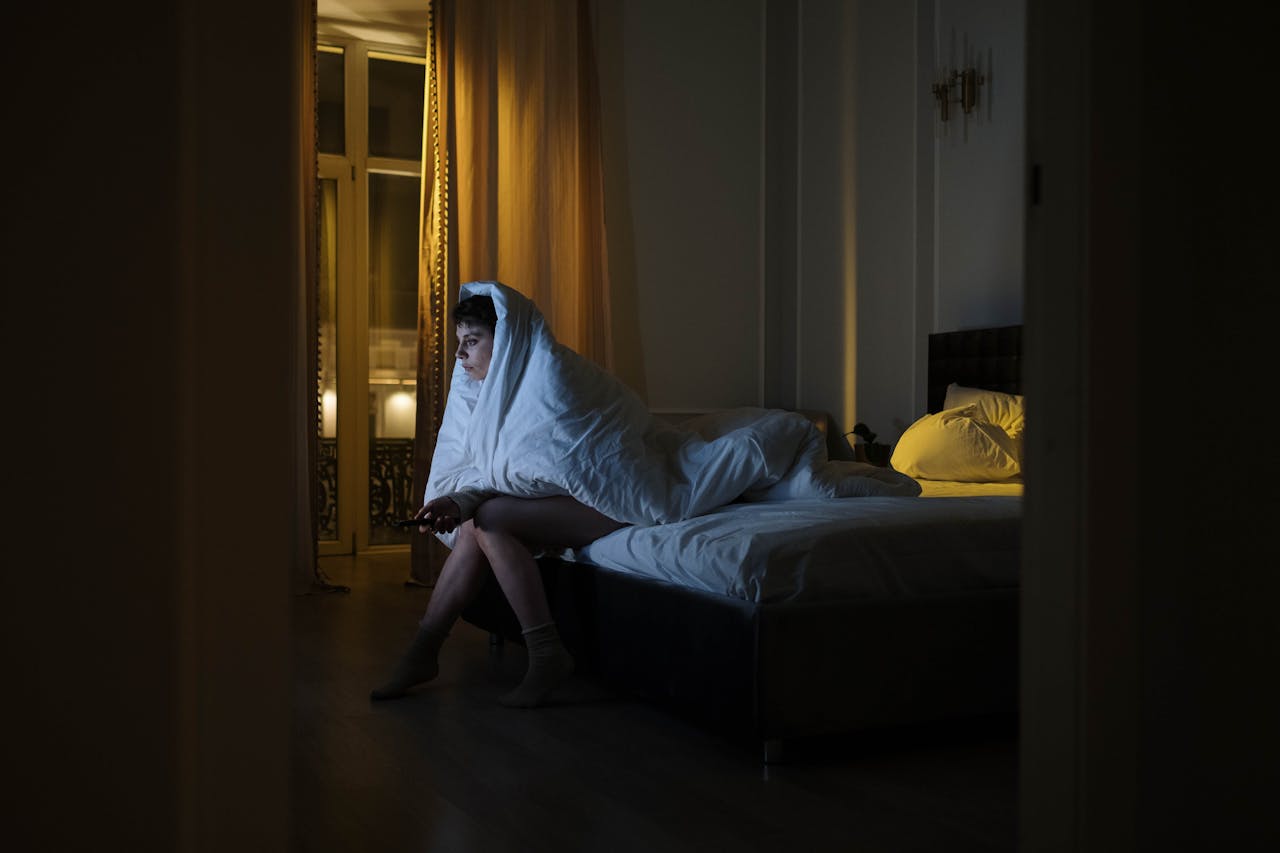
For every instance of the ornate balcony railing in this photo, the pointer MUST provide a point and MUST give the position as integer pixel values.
(390, 489)
(327, 496)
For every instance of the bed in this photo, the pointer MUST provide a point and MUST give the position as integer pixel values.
(880, 611)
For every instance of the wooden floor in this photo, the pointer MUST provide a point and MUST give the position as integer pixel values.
(450, 769)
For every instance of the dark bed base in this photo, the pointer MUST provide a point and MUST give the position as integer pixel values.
(779, 671)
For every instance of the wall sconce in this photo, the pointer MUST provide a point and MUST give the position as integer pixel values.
(967, 81)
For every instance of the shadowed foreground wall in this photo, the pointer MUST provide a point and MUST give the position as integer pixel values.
(152, 258)
(1150, 639)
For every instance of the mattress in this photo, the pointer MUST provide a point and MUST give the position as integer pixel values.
(827, 549)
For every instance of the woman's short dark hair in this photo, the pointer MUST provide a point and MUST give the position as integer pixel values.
(476, 311)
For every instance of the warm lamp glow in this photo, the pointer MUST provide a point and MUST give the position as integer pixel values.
(329, 414)
(401, 410)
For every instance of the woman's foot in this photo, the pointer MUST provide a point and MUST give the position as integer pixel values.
(549, 664)
(419, 664)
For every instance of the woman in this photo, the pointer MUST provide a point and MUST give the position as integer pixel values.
(540, 449)
(497, 533)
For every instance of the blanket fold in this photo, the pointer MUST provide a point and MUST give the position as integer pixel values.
(547, 421)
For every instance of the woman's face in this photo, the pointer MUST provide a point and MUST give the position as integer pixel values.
(475, 349)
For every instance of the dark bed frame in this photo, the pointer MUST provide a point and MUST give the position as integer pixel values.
(780, 671)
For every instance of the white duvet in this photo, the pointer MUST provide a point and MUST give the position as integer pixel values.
(546, 421)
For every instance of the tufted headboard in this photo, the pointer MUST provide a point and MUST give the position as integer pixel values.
(975, 358)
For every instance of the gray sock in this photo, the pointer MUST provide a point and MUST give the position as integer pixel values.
(419, 664)
(549, 664)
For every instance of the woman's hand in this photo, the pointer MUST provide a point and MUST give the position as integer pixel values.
(441, 515)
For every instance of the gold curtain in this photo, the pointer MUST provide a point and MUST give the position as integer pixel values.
(512, 187)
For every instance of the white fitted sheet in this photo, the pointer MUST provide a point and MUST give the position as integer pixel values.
(823, 548)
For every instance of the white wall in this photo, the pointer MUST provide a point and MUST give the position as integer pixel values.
(681, 96)
(979, 160)
(826, 225)
(890, 329)
(781, 210)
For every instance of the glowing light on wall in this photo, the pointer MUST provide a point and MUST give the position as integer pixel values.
(329, 414)
(849, 227)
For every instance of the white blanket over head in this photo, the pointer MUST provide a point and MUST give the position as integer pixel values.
(547, 421)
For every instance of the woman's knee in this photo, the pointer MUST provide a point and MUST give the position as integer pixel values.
(465, 544)
(496, 516)
(486, 519)
(466, 534)
(557, 522)
(505, 518)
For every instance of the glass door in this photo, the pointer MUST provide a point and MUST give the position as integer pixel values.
(393, 352)
(393, 190)
(370, 139)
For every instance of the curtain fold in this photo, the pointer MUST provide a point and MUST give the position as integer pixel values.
(306, 571)
(307, 576)
(512, 188)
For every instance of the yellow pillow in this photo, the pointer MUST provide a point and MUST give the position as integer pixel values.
(957, 444)
(1004, 410)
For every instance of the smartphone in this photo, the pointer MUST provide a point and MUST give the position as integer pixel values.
(411, 522)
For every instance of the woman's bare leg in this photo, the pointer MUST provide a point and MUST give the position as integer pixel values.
(508, 530)
(460, 580)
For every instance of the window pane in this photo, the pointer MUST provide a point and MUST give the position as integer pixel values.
(395, 108)
(328, 380)
(331, 102)
(393, 352)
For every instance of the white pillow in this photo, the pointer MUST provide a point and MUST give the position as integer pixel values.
(1004, 410)
(957, 444)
